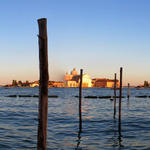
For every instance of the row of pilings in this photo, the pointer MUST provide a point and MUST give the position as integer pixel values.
(43, 89)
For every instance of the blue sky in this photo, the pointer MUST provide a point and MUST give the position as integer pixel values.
(99, 36)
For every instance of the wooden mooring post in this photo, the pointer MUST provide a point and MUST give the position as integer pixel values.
(120, 94)
(115, 95)
(128, 90)
(80, 101)
(43, 87)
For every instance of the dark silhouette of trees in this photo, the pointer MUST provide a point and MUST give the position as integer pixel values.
(14, 83)
(146, 84)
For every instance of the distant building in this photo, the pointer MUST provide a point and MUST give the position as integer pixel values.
(73, 79)
(102, 83)
(58, 84)
(69, 77)
(34, 84)
(50, 83)
(86, 81)
(71, 83)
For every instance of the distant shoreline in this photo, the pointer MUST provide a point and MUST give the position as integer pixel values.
(75, 87)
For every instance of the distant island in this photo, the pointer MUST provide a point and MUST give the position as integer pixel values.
(72, 80)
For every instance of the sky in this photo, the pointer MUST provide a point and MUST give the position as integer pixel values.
(99, 36)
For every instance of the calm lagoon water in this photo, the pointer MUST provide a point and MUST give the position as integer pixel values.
(18, 120)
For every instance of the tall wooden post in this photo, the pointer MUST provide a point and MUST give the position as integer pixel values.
(80, 101)
(120, 96)
(128, 90)
(115, 96)
(43, 87)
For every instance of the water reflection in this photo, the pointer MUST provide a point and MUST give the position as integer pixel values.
(114, 138)
(80, 126)
(128, 102)
(119, 135)
(79, 135)
(79, 140)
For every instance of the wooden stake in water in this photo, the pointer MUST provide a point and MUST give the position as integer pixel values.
(120, 96)
(80, 101)
(43, 87)
(128, 90)
(115, 96)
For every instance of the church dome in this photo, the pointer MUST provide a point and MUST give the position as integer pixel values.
(74, 72)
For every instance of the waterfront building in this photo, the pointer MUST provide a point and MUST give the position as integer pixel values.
(73, 79)
(104, 83)
(58, 84)
(68, 77)
(71, 83)
(34, 84)
(86, 81)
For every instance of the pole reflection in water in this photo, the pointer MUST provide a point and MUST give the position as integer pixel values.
(128, 103)
(79, 134)
(79, 140)
(117, 138)
(119, 135)
(114, 138)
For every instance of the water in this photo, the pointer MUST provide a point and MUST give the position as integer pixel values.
(18, 120)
